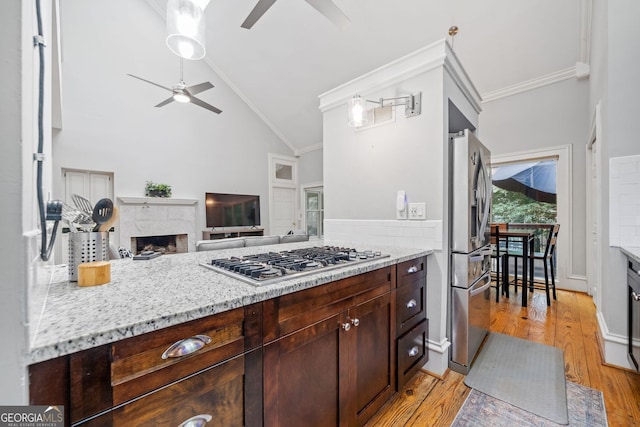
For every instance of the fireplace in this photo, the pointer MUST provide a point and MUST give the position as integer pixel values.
(146, 217)
(170, 244)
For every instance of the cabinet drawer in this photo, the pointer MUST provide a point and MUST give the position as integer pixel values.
(410, 305)
(411, 270)
(292, 312)
(412, 352)
(144, 363)
(215, 396)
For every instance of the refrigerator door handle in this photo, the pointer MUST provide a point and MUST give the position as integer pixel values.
(481, 285)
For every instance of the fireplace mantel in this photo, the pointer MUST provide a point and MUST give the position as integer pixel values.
(156, 201)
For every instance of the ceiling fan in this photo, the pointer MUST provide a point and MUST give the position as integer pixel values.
(325, 7)
(183, 93)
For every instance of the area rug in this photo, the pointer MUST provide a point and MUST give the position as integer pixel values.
(522, 373)
(585, 405)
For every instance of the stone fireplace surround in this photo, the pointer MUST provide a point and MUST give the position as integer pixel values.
(153, 216)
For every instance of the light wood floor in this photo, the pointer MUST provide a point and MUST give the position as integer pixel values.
(570, 324)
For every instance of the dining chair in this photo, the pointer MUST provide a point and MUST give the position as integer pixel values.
(499, 254)
(547, 256)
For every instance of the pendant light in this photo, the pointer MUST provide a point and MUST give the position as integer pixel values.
(186, 28)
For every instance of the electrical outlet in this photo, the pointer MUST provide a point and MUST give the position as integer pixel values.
(417, 210)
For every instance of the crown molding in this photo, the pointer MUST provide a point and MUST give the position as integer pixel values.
(308, 149)
(406, 67)
(457, 72)
(528, 85)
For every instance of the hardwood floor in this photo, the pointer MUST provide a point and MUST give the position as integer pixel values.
(570, 324)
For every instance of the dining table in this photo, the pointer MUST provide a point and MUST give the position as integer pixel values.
(526, 237)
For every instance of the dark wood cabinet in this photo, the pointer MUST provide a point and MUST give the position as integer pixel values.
(220, 395)
(373, 360)
(137, 382)
(412, 327)
(330, 355)
(330, 359)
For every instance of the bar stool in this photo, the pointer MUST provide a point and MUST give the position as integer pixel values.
(501, 261)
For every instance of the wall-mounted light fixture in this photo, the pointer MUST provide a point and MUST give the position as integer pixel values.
(186, 28)
(357, 110)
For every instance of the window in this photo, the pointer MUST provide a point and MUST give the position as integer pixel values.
(314, 211)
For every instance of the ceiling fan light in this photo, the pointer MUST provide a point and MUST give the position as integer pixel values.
(185, 29)
(181, 96)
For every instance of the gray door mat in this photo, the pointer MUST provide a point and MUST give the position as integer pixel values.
(523, 373)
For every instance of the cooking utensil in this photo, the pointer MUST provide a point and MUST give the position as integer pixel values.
(102, 212)
(82, 203)
(106, 226)
(75, 216)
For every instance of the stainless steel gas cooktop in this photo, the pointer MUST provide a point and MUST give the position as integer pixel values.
(271, 267)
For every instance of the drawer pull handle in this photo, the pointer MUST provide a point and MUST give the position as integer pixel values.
(412, 269)
(346, 326)
(414, 351)
(412, 303)
(186, 346)
(197, 421)
(355, 322)
(635, 296)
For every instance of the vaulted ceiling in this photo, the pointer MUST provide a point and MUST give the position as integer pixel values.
(293, 53)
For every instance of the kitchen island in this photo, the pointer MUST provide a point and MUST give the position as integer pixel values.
(110, 333)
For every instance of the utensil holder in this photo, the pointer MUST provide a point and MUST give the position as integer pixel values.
(87, 247)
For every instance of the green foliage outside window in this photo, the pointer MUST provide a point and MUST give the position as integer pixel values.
(513, 207)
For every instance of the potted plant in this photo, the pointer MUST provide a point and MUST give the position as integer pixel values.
(157, 190)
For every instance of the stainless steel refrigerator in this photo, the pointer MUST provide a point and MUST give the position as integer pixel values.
(470, 248)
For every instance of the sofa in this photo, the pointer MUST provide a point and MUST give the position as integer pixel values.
(243, 242)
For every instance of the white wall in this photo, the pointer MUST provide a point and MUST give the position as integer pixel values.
(110, 123)
(614, 85)
(363, 169)
(19, 253)
(549, 116)
(310, 167)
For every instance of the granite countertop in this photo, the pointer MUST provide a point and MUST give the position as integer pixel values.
(631, 252)
(144, 296)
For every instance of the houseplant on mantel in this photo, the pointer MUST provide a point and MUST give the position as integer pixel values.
(157, 190)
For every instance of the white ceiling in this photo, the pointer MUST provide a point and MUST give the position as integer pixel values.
(293, 53)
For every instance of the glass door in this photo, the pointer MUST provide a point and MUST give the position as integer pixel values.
(314, 211)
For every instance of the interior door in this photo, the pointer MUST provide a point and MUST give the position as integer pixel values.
(93, 186)
(283, 187)
(283, 208)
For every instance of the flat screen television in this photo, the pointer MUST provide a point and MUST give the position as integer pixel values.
(232, 210)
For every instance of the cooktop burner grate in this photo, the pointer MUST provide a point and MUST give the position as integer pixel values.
(271, 267)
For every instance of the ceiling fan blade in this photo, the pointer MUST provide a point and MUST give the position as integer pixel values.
(329, 9)
(165, 102)
(199, 88)
(257, 12)
(203, 104)
(155, 84)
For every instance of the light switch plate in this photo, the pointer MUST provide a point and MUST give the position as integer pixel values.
(418, 210)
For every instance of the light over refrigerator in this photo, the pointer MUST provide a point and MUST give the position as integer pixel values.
(470, 248)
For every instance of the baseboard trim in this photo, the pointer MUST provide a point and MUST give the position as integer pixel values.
(613, 346)
(438, 363)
